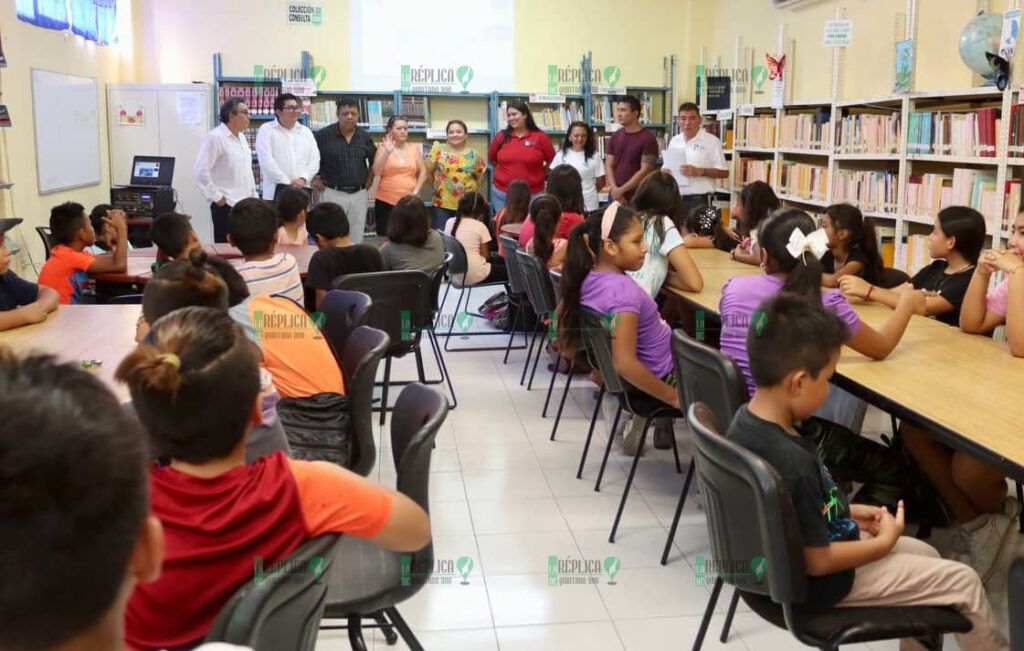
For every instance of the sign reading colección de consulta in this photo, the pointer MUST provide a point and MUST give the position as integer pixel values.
(305, 13)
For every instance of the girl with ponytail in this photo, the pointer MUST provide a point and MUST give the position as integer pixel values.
(600, 252)
(545, 211)
(664, 242)
(791, 250)
(852, 246)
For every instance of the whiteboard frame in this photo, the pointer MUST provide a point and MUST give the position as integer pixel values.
(35, 129)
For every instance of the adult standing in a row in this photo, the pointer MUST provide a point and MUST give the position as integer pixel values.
(401, 170)
(521, 151)
(346, 160)
(705, 160)
(456, 169)
(579, 149)
(223, 167)
(286, 150)
(632, 152)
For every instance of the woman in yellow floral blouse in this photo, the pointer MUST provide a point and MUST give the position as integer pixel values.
(456, 169)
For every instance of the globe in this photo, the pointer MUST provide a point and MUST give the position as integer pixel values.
(981, 35)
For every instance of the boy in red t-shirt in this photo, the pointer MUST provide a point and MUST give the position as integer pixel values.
(67, 269)
(194, 384)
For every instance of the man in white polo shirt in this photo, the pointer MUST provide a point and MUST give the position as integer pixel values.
(704, 158)
(286, 150)
(223, 167)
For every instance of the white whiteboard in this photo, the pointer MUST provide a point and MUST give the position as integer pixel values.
(65, 109)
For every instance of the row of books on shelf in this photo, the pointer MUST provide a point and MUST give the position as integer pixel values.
(372, 112)
(753, 169)
(1011, 203)
(558, 118)
(868, 133)
(970, 133)
(804, 181)
(604, 108)
(915, 254)
(416, 111)
(1016, 137)
(927, 194)
(258, 97)
(755, 131)
(806, 130)
(870, 190)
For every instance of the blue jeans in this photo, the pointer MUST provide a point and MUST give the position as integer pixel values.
(497, 199)
(441, 216)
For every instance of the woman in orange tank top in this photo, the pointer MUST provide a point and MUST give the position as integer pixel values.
(401, 170)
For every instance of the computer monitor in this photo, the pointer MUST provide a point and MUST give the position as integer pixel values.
(153, 170)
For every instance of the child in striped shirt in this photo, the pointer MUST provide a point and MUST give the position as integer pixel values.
(252, 228)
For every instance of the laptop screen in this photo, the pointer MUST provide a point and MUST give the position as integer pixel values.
(153, 170)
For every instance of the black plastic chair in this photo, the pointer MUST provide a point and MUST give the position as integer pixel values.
(542, 296)
(750, 515)
(403, 307)
(517, 296)
(892, 278)
(359, 363)
(598, 341)
(457, 267)
(280, 611)
(124, 299)
(1015, 599)
(343, 311)
(705, 375)
(46, 235)
(370, 581)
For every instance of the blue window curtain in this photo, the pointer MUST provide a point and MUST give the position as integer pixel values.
(94, 20)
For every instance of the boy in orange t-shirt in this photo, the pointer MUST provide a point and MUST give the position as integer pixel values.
(67, 269)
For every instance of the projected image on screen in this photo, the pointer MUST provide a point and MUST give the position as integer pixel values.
(147, 169)
(393, 49)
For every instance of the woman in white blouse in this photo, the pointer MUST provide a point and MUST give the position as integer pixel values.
(579, 149)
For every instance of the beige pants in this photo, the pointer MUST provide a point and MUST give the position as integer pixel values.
(913, 574)
(355, 205)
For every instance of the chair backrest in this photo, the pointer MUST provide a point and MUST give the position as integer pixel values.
(402, 303)
(705, 375)
(892, 278)
(1015, 596)
(458, 265)
(280, 611)
(754, 535)
(556, 283)
(125, 299)
(359, 361)
(343, 311)
(598, 341)
(516, 281)
(538, 283)
(46, 235)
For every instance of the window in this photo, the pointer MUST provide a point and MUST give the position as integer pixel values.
(93, 20)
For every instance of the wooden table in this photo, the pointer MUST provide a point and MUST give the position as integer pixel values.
(77, 332)
(965, 388)
(140, 261)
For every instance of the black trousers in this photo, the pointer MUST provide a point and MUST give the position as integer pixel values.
(692, 201)
(381, 213)
(220, 216)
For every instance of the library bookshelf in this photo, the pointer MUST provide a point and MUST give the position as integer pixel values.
(899, 158)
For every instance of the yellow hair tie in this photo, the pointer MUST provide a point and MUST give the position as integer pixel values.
(170, 358)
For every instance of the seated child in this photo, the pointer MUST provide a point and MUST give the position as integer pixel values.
(76, 494)
(566, 186)
(69, 265)
(106, 235)
(252, 228)
(195, 385)
(546, 245)
(21, 302)
(955, 243)
(412, 243)
(756, 202)
(173, 236)
(600, 252)
(509, 220)
(852, 246)
(338, 255)
(292, 204)
(468, 227)
(659, 193)
(854, 555)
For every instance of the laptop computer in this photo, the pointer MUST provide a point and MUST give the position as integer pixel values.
(152, 171)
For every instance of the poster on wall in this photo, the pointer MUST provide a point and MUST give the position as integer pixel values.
(3, 59)
(776, 73)
(126, 117)
(305, 13)
(1008, 38)
(5, 116)
(719, 89)
(480, 59)
(904, 67)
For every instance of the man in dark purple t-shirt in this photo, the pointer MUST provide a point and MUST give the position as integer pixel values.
(632, 152)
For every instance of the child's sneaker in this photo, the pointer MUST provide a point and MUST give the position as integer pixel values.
(663, 433)
(631, 440)
(982, 540)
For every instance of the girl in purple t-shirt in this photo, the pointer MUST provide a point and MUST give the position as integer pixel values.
(790, 248)
(600, 252)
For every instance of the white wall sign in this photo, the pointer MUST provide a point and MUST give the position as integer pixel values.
(305, 13)
(745, 110)
(300, 88)
(838, 33)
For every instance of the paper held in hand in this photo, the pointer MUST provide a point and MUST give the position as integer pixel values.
(673, 158)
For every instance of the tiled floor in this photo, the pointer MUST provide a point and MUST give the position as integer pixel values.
(507, 497)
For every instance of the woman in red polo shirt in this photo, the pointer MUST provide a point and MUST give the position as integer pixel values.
(521, 151)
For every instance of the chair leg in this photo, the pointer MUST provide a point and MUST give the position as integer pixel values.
(536, 360)
(590, 433)
(679, 512)
(355, 633)
(561, 403)
(529, 353)
(675, 453)
(607, 450)
(512, 335)
(451, 323)
(712, 602)
(384, 391)
(551, 387)
(1020, 498)
(440, 306)
(728, 616)
(418, 355)
(403, 629)
(629, 480)
(385, 627)
(442, 367)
